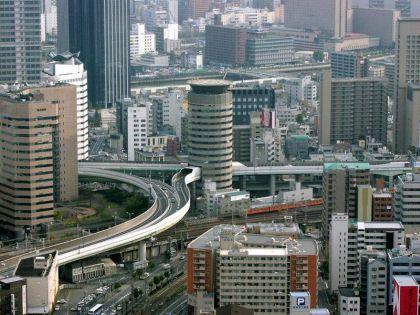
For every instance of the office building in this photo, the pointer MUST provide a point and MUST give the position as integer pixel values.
(408, 8)
(195, 9)
(406, 301)
(382, 206)
(37, 168)
(376, 22)
(100, 31)
(329, 16)
(373, 282)
(135, 120)
(225, 45)
(227, 265)
(345, 249)
(210, 130)
(353, 109)
(349, 65)
(250, 98)
(297, 147)
(340, 189)
(242, 135)
(407, 199)
(20, 41)
(236, 16)
(407, 70)
(13, 295)
(401, 262)
(67, 68)
(164, 35)
(141, 42)
(266, 48)
(172, 9)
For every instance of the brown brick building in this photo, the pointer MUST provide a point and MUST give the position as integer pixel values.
(225, 45)
(38, 154)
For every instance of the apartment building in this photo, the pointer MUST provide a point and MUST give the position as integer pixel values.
(228, 265)
(141, 42)
(38, 158)
(347, 64)
(346, 248)
(340, 189)
(353, 109)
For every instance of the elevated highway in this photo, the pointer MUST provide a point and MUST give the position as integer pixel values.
(170, 204)
(242, 170)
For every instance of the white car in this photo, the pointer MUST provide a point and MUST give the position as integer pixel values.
(144, 276)
(57, 308)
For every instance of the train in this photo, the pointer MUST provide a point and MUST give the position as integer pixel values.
(284, 206)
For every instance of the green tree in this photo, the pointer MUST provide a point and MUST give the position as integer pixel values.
(166, 274)
(156, 280)
(318, 56)
(117, 285)
(299, 118)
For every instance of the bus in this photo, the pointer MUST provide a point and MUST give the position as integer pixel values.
(96, 310)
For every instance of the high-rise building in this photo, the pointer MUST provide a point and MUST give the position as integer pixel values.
(346, 248)
(376, 22)
(210, 130)
(67, 68)
(172, 9)
(329, 16)
(340, 189)
(198, 8)
(373, 282)
(100, 31)
(38, 157)
(406, 199)
(407, 70)
(227, 265)
(353, 109)
(266, 48)
(349, 65)
(20, 41)
(225, 45)
(251, 98)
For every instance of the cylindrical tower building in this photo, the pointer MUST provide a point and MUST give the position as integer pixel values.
(210, 130)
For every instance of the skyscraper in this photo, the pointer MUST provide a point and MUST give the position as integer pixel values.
(210, 130)
(100, 31)
(407, 71)
(38, 157)
(20, 41)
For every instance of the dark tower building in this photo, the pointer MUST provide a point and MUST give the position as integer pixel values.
(100, 31)
(20, 41)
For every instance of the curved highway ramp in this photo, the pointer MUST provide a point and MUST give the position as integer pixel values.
(171, 203)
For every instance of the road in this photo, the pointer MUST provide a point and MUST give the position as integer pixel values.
(179, 306)
(98, 144)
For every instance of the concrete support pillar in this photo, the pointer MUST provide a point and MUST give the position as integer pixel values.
(243, 183)
(142, 251)
(272, 184)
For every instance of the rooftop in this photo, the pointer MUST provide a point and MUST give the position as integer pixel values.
(342, 166)
(26, 267)
(348, 291)
(380, 225)
(405, 281)
(209, 82)
(256, 252)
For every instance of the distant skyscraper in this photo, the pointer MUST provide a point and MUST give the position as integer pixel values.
(210, 130)
(407, 71)
(327, 15)
(100, 31)
(173, 11)
(20, 41)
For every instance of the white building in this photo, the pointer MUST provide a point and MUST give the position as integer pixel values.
(67, 68)
(302, 89)
(154, 60)
(345, 248)
(296, 194)
(338, 245)
(407, 199)
(247, 16)
(172, 110)
(348, 301)
(141, 42)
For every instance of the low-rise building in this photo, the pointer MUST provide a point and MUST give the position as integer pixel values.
(348, 301)
(41, 274)
(13, 296)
